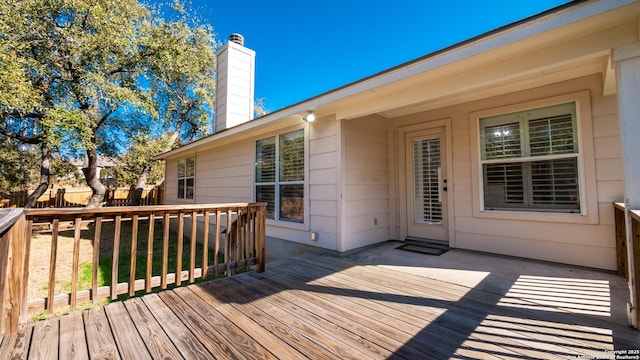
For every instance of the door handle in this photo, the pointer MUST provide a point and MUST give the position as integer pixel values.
(444, 188)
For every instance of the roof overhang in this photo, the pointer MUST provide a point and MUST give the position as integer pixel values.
(547, 47)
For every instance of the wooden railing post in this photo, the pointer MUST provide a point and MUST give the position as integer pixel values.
(621, 240)
(261, 238)
(12, 263)
(634, 218)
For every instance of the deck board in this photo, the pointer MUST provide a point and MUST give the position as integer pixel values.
(157, 342)
(73, 345)
(126, 336)
(319, 307)
(178, 333)
(265, 319)
(45, 335)
(364, 347)
(244, 322)
(100, 341)
(16, 346)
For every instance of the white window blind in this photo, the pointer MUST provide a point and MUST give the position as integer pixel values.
(530, 160)
(427, 199)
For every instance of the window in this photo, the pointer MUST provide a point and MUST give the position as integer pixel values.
(280, 175)
(186, 178)
(529, 160)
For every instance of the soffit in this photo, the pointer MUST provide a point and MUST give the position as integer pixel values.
(547, 58)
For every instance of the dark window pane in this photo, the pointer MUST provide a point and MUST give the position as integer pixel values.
(190, 188)
(552, 135)
(503, 185)
(502, 141)
(267, 193)
(291, 203)
(190, 167)
(292, 156)
(266, 160)
(555, 184)
(181, 185)
(181, 168)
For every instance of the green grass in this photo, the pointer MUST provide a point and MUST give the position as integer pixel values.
(124, 256)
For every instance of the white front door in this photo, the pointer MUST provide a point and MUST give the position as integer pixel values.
(426, 185)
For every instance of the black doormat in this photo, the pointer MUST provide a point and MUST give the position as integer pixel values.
(422, 249)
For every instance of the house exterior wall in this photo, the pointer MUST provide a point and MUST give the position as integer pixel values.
(225, 174)
(323, 183)
(585, 241)
(366, 188)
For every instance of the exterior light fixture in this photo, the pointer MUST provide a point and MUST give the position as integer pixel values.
(309, 117)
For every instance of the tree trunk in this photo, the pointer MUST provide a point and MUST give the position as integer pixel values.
(91, 175)
(45, 177)
(142, 179)
(139, 187)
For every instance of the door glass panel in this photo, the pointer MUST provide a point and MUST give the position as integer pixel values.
(427, 199)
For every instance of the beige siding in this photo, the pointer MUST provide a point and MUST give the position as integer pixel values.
(224, 175)
(171, 182)
(366, 194)
(323, 185)
(567, 242)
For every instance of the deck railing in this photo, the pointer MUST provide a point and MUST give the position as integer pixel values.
(205, 241)
(621, 245)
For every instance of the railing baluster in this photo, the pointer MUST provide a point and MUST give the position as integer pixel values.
(194, 233)
(52, 265)
(216, 256)
(97, 234)
(26, 253)
(116, 258)
(165, 251)
(254, 211)
(205, 245)
(76, 260)
(178, 280)
(240, 238)
(147, 287)
(260, 240)
(227, 245)
(134, 255)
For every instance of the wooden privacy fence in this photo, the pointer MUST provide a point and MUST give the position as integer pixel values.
(147, 250)
(621, 245)
(78, 197)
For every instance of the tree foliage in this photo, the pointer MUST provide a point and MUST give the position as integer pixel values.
(90, 75)
(18, 166)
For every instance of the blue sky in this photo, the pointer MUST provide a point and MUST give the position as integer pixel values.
(304, 48)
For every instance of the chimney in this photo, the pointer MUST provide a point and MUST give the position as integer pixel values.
(234, 84)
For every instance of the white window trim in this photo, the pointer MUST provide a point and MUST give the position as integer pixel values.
(304, 226)
(586, 163)
(178, 178)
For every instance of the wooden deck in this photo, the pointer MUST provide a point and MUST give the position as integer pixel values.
(319, 308)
